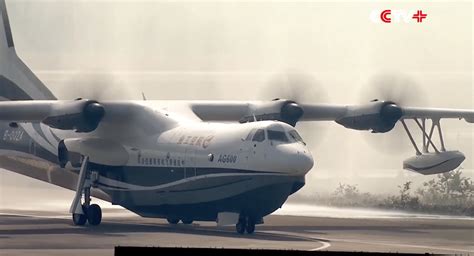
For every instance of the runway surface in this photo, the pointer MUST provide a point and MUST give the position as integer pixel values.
(51, 233)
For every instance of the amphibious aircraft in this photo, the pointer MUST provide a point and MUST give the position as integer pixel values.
(232, 162)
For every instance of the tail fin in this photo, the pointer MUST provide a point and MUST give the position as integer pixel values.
(17, 81)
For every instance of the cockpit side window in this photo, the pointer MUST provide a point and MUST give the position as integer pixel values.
(277, 136)
(250, 135)
(259, 135)
(296, 137)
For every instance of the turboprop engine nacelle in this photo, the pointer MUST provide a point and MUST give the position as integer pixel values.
(100, 151)
(377, 116)
(79, 115)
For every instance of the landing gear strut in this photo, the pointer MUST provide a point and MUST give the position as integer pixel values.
(245, 224)
(83, 212)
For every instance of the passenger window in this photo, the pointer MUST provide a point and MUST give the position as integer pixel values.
(251, 133)
(277, 136)
(259, 135)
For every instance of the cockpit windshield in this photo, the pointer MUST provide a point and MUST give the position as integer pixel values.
(274, 133)
(277, 136)
(296, 137)
(259, 135)
(250, 135)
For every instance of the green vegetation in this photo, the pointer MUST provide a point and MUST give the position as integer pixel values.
(448, 193)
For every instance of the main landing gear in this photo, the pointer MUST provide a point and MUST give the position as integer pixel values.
(245, 224)
(84, 212)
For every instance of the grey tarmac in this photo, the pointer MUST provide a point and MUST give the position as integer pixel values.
(26, 232)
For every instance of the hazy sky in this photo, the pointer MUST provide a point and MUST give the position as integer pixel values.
(231, 50)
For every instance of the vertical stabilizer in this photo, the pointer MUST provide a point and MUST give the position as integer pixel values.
(17, 81)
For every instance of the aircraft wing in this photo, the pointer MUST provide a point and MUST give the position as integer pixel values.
(378, 116)
(147, 117)
(120, 118)
(25, 111)
(439, 113)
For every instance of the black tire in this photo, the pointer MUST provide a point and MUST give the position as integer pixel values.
(187, 222)
(250, 226)
(173, 221)
(240, 226)
(94, 214)
(79, 219)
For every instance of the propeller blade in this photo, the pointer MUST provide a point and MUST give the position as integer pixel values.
(297, 86)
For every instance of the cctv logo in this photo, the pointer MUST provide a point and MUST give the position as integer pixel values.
(397, 16)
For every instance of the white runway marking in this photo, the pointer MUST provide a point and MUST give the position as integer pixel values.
(324, 246)
(311, 239)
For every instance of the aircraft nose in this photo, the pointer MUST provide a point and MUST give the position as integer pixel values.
(304, 161)
(297, 160)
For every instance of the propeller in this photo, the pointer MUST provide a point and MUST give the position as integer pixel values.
(297, 86)
(300, 87)
(399, 88)
(402, 90)
(97, 86)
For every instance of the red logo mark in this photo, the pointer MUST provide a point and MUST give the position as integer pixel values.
(419, 16)
(384, 14)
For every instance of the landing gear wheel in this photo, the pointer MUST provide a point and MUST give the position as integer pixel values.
(240, 226)
(79, 219)
(250, 226)
(94, 214)
(187, 222)
(172, 221)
